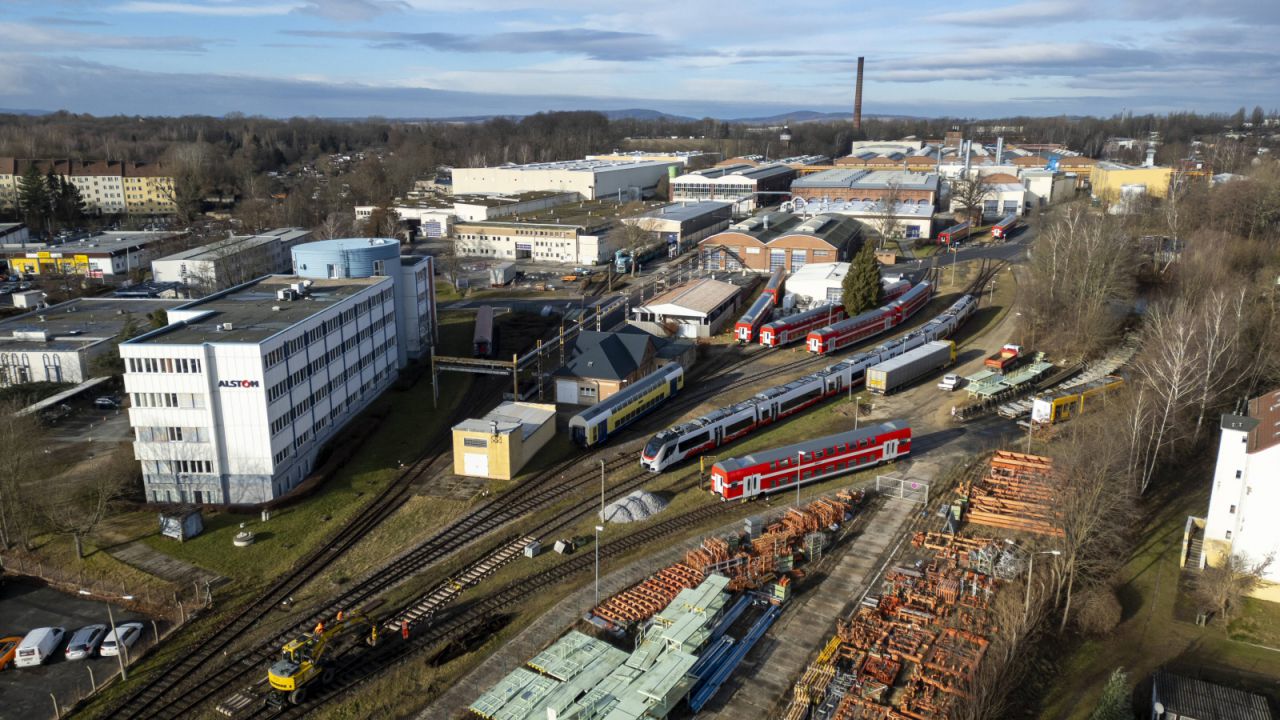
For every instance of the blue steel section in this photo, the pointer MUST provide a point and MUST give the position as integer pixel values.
(735, 611)
(711, 657)
(349, 257)
(707, 686)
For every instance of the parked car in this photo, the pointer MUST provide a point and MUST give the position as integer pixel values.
(38, 646)
(127, 634)
(8, 648)
(85, 641)
(106, 402)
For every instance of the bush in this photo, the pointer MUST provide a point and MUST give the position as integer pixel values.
(1099, 612)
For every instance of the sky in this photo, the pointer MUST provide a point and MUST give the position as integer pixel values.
(726, 59)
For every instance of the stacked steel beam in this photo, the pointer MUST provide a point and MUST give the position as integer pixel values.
(1017, 493)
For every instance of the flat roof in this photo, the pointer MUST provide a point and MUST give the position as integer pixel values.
(584, 165)
(499, 200)
(682, 211)
(75, 323)
(702, 296)
(107, 242)
(808, 446)
(511, 416)
(581, 214)
(236, 243)
(873, 207)
(250, 309)
(871, 179)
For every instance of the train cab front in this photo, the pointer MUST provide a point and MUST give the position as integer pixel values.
(657, 453)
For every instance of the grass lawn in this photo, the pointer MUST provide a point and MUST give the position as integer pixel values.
(1152, 635)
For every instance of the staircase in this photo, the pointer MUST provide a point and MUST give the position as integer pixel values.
(1195, 547)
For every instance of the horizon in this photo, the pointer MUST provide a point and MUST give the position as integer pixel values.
(418, 59)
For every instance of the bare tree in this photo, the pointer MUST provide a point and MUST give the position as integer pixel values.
(382, 222)
(970, 193)
(334, 225)
(20, 443)
(86, 500)
(887, 222)
(1223, 586)
(1167, 368)
(634, 232)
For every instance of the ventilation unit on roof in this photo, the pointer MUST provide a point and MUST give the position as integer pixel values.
(227, 327)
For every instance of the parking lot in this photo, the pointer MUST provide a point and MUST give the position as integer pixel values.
(25, 606)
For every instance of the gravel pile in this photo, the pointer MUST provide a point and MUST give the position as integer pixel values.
(639, 505)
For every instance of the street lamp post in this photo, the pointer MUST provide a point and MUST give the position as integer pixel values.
(1031, 564)
(799, 459)
(599, 529)
(602, 490)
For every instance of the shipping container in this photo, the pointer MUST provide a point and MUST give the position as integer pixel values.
(502, 273)
(909, 367)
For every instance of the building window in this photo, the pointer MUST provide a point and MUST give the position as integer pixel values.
(1239, 473)
(475, 442)
(1228, 534)
(1232, 510)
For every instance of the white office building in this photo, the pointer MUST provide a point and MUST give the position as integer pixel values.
(592, 179)
(1246, 491)
(230, 261)
(233, 400)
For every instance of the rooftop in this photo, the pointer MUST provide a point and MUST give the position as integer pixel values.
(510, 417)
(1262, 422)
(687, 210)
(593, 166)
(237, 243)
(789, 453)
(766, 227)
(868, 207)
(253, 310)
(107, 242)
(503, 200)
(582, 214)
(870, 179)
(1191, 698)
(729, 172)
(605, 355)
(700, 296)
(76, 323)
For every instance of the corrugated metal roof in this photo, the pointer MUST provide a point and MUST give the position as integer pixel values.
(702, 296)
(1200, 700)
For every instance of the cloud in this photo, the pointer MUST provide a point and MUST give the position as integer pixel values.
(351, 10)
(65, 21)
(594, 44)
(31, 37)
(1036, 11)
(215, 10)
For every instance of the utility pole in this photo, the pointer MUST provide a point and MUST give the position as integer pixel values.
(599, 529)
(602, 490)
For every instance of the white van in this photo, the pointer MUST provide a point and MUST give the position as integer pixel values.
(38, 645)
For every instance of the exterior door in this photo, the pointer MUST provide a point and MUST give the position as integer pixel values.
(475, 464)
(751, 486)
(567, 392)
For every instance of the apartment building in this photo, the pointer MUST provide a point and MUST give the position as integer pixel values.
(108, 187)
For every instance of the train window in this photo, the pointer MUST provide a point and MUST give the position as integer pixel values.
(739, 425)
(693, 441)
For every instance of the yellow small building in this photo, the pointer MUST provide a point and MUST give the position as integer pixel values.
(1108, 178)
(497, 445)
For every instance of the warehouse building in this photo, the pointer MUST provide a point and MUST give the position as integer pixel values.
(737, 184)
(682, 225)
(1003, 195)
(434, 217)
(914, 221)
(575, 233)
(106, 255)
(499, 444)
(598, 365)
(230, 261)
(685, 159)
(1108, 179)
(62, 343)
(233, 400)
(700, 308)
(868, 186)
(591, 179)
(1048, 187)
(14, 234)
(769, 241)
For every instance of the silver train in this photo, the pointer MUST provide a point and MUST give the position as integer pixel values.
(727, 424)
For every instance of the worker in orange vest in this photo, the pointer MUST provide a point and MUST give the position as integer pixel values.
(319, 629)
(340, 616)
(404, 629)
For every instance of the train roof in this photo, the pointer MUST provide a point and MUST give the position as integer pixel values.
(790, 451)
(762, 304)
(798, 317)
(629, 393)
(1083, 388)
(776, 278)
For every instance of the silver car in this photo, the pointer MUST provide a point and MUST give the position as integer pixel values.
(84, 643)
(128, 634)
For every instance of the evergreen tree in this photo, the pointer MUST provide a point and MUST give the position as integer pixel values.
(33, 199)
(68, 204)
(861, 286)
(1114, 703)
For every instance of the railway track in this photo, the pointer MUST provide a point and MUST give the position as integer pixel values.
(148, 697)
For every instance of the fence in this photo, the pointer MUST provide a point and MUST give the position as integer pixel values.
(174, 606)
(903, 488)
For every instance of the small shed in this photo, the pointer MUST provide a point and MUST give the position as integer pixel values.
(1174, 697)
(497, 445)
(182, 523)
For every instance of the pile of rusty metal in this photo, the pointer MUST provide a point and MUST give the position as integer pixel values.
(1017, 493)
(748, 562)
(909, 653)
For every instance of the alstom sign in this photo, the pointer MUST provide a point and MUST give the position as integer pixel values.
(239, 384)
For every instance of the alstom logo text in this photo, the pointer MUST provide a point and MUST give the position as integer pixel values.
(239, 383)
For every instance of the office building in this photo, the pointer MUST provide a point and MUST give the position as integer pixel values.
(231, 261)
(868, 186)
(106, 255)
(574, 233)
(682, 225)
(591, 179)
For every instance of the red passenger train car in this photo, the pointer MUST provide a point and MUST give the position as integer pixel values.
(870, 323)
(798, 326)
(955, 233)
(748, 326)
(774, 287)
(815, 460)
(1002, 229)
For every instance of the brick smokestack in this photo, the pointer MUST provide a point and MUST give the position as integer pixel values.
(857, 99)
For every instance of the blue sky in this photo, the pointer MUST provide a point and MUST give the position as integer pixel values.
(440, 58)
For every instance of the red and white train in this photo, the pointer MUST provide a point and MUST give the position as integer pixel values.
(798, 326)
(815, 460)
(748, 326)
(955, 233)
(1005, 227)
(870, 323)
(724, 425)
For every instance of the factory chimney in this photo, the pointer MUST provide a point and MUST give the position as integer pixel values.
(857, 99)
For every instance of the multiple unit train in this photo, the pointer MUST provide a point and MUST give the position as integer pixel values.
(727, 424)
(483, 340)
(870, 323)
(809, 461)
(955, 233)
(748, 326)
(594, 425)
(1005, 227)
(797, 327)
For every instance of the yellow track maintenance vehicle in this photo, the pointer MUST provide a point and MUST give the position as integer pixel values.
(308, 659)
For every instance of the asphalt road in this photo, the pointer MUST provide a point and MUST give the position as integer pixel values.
(24, 606)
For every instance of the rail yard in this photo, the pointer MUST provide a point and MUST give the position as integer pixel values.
(470, 579)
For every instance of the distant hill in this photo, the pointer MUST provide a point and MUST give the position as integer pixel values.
(796, 117)
(803, 116)
(645, 114)
(23, 111)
